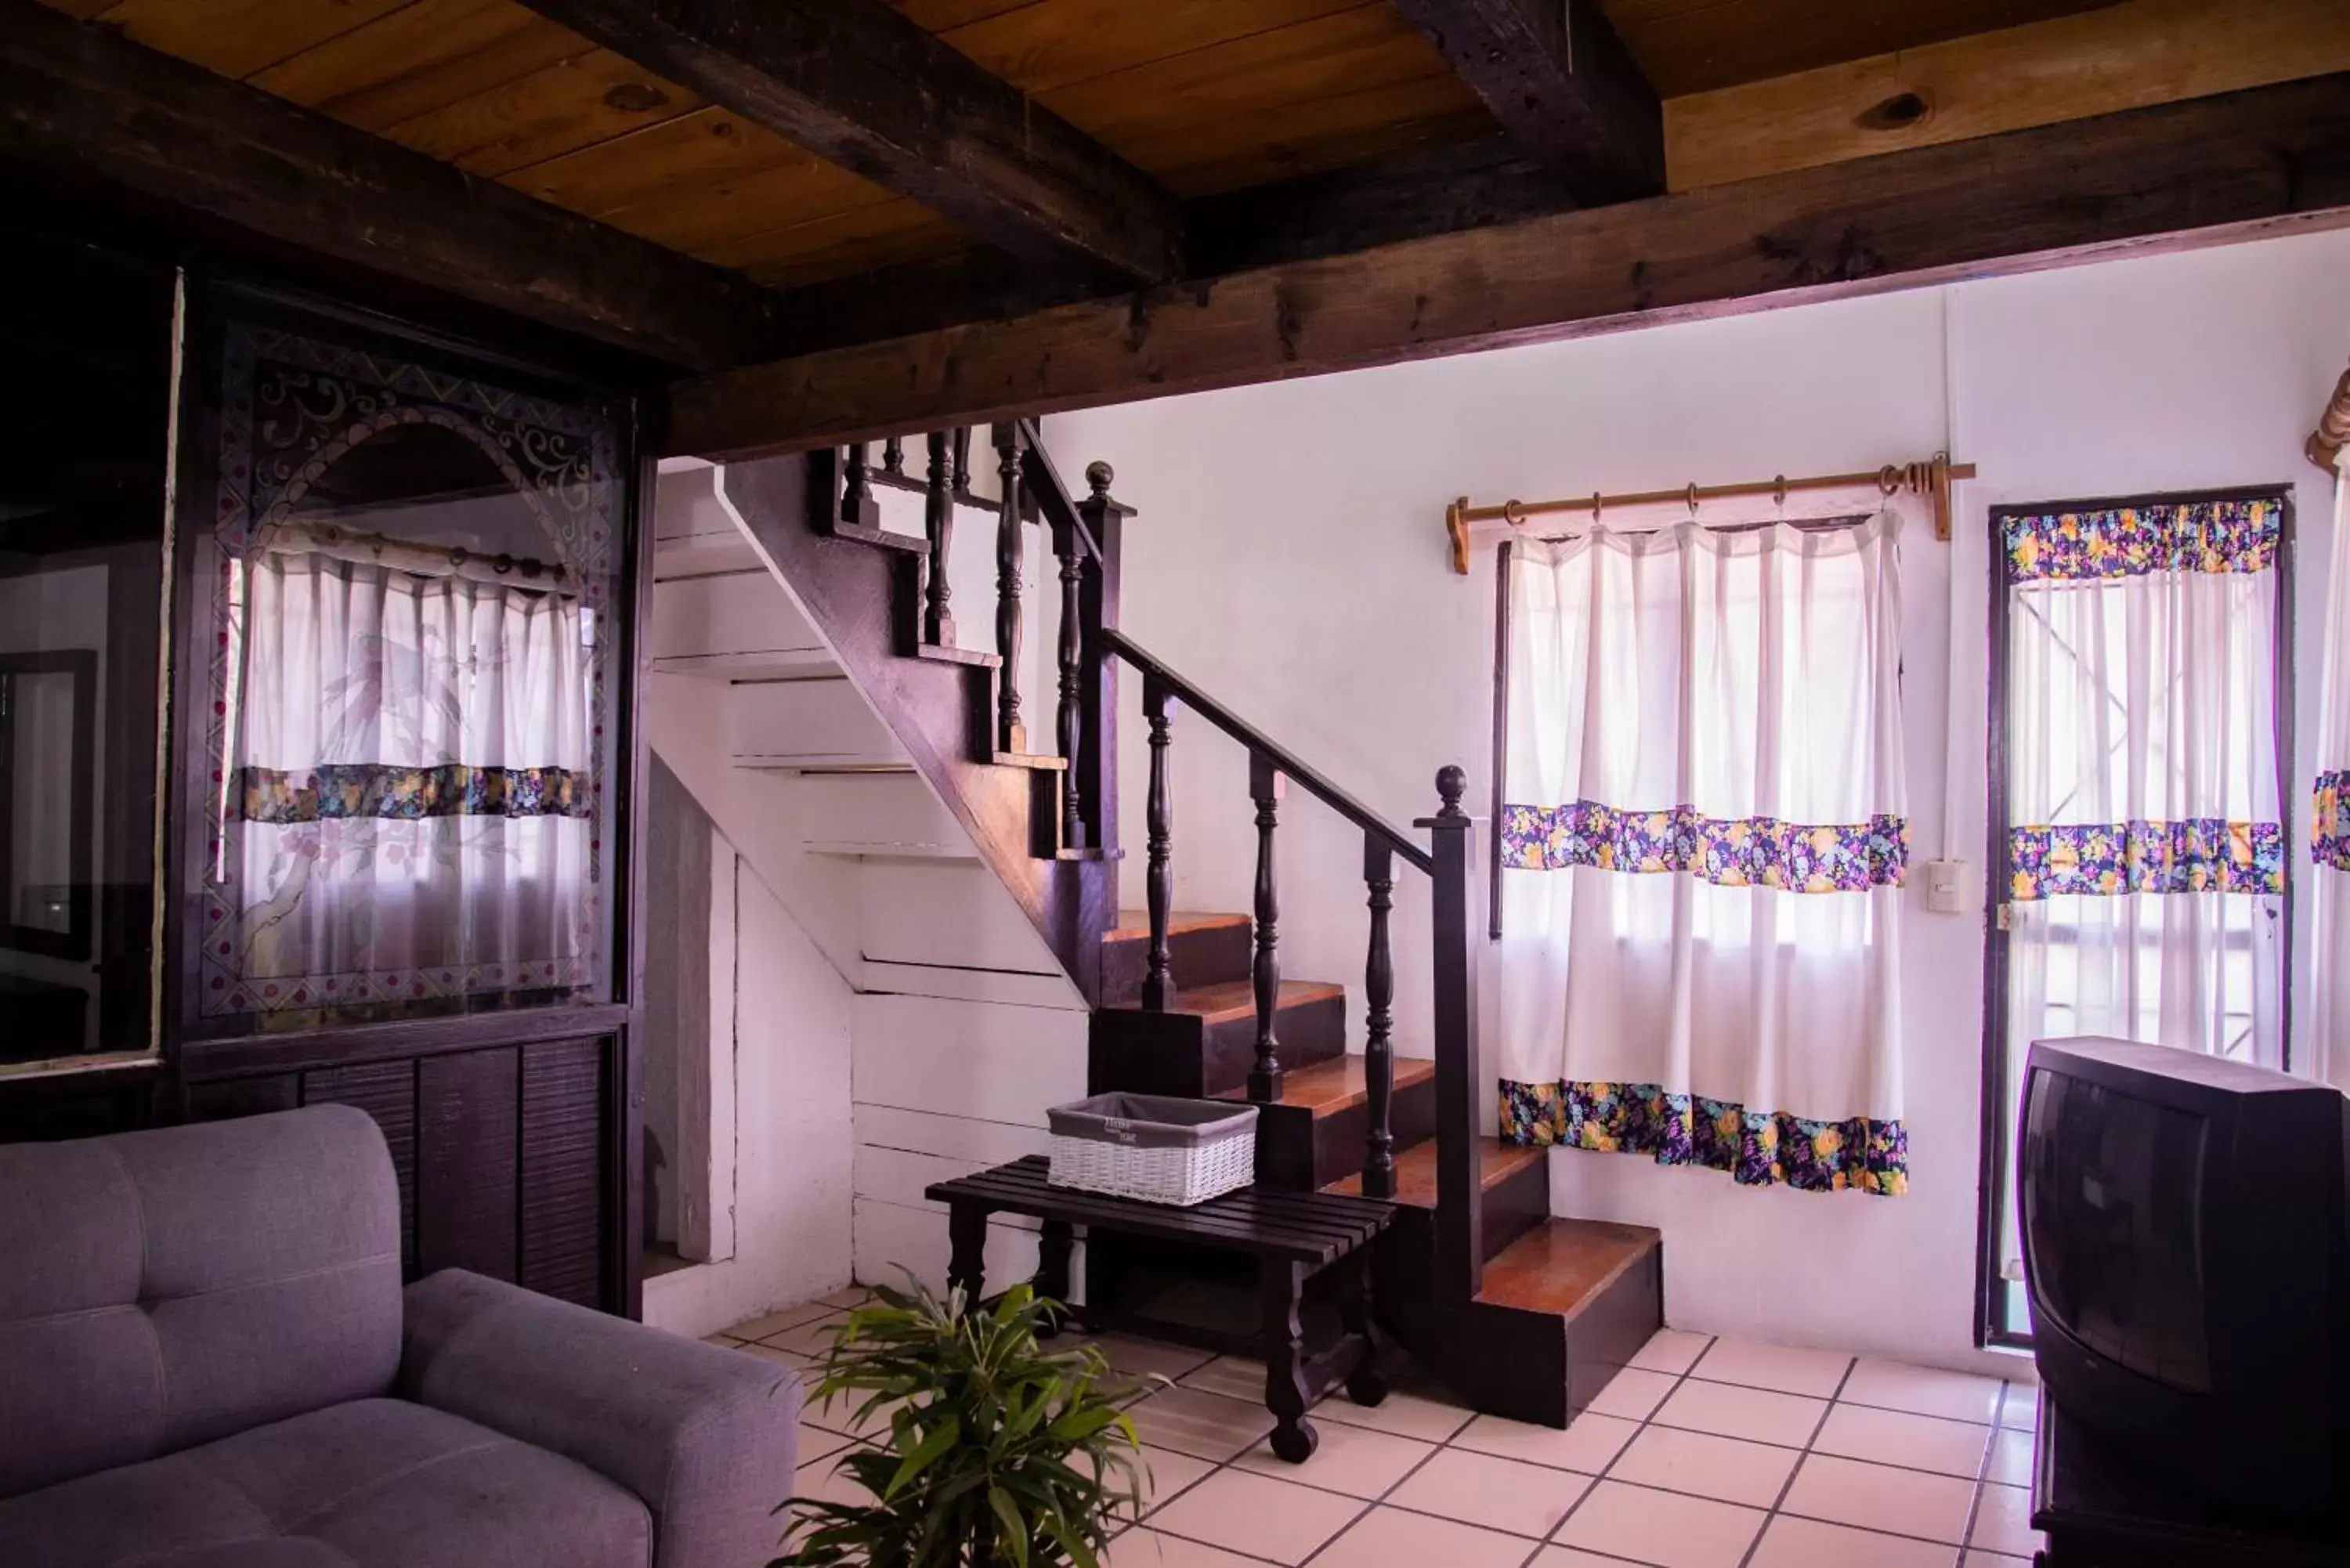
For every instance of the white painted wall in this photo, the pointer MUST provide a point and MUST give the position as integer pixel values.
(1290, 556)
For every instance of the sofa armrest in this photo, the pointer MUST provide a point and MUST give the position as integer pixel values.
(706, 1436)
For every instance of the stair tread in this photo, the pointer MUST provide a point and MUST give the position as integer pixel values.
(1561, 1265)
(1134, 925)
(1231, 998)
(940, 653)
(888, 539)
(1338, 1084)
(1416, 1170)
(1031, 760)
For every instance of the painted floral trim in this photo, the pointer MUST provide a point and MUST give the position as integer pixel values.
(1758, 1149)
(343, 790)
(2202, 537)
(2329, 835)
(2199, 855)
(1733, 852)
(272, 993)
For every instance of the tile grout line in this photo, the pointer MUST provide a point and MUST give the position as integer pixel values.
(1680, 1378)
(1780, 1502)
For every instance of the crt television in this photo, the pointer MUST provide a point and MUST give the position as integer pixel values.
(2187, 1247)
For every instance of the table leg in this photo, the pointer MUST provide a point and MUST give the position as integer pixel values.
(1282, 1290)
(1364, 1385)
(1052, 1282)
(966, 1250)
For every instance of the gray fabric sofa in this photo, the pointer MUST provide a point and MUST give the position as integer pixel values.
(207, 1361)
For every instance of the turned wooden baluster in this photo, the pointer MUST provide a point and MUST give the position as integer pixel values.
(938, 526)
(1378, 993)
(1010, 734)
(962, 462)
(893, 457)
(1159, 884)
(858, 506)
(1264, 1078)
(1067, 721)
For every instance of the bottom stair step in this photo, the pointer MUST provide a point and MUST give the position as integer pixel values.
(1564, 1308)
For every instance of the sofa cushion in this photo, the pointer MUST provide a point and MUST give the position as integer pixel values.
(167, 1288)
(376, 1483)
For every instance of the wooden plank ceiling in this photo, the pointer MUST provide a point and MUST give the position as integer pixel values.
(1205, 95)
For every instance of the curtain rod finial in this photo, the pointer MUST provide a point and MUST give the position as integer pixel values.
(1456, 525)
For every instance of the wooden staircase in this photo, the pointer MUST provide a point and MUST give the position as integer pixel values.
(1525, 1314)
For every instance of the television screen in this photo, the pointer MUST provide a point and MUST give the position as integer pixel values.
(2112, 1187)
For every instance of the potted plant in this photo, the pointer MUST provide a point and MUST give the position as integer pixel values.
(1000, 1454)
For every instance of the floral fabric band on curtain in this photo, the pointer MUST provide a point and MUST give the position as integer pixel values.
(1757, 1148)
(2329, 838)
(335, 792)
(2109, 859)
(2197, 536)
(1730, 852)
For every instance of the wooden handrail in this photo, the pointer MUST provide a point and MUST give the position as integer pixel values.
(1259, 744)
(1052, 496)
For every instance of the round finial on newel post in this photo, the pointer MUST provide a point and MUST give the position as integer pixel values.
(1098, 474)
(1451, 783)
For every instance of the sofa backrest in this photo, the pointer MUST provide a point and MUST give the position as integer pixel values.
(162, 1289)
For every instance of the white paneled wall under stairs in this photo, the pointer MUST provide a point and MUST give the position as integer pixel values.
(964, 1028)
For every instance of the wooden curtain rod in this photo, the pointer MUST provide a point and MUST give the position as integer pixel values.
(1931, 477)
(2333, 431)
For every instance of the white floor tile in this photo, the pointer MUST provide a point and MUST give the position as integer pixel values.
(1497, 1493)
(1671, 1350)
(1778, 1368)
(1163, 1473)
(2020, 1408)
(1899, 1437)
(1568, 1557)
(1390, 1538)
(1353, 1459)
(1205, 1426)
(799, 1364)
(1257, 1515)
(1878, 1497)
(778, 1321)
(1143, 1358)
(2003, 1522)
(1149, 1549)
(1404, 1415)
(1791, 1543)
(1229, 1376)
(811, 1338)
(1922, 1390)
(1757, 1414)
(1660, 1527)
(2011, 1458)
(1632, 1393)
(1725, 1468)
(1992, 1560)
(1587, 1445)
(847, 1296)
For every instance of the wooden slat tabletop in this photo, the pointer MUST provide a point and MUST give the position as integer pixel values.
(1316, 1228)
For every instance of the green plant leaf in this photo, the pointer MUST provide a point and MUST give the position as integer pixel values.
(940, 1437)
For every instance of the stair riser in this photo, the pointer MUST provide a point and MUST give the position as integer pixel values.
(1212, 955)
(1180, 1054)
(1299, 1152)
(1534, 1366)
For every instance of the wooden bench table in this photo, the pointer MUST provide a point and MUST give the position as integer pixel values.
(1293, 1236)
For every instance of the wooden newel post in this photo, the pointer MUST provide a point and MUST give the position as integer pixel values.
(1378, 996)
(1097, 591)
(1459, 1244)
(1265, 789)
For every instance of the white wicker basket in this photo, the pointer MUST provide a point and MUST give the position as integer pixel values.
(1154, 1148)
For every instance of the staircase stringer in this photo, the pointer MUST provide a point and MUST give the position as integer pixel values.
(861, 600)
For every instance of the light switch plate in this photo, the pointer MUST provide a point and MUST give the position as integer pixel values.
(1946, 886)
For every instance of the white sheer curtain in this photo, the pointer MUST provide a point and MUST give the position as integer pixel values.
(2145, 839)
(408, 792)
(2323, 1049)
(1703, 850)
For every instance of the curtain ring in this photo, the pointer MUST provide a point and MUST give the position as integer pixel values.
(1597, 501)
(503, 565)
(1889, 479)
(1779, 491)
(1513, 513)
(457, 557)
(1692, 498)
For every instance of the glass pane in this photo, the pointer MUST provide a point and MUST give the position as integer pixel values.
(85, 405)
(412, 580)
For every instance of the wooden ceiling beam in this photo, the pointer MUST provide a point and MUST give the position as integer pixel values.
(2267, 160)
(79, 101)
(858, 83)
(1561, 84)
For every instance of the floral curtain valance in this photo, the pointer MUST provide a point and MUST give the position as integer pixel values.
(2131, 541)
(1729, 852)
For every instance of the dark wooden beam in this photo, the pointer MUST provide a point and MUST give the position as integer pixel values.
(79, 99)
(1561, 84)
(856, 82)
(2268, 160)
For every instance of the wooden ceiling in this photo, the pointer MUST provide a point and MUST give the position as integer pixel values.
(1205, 95)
